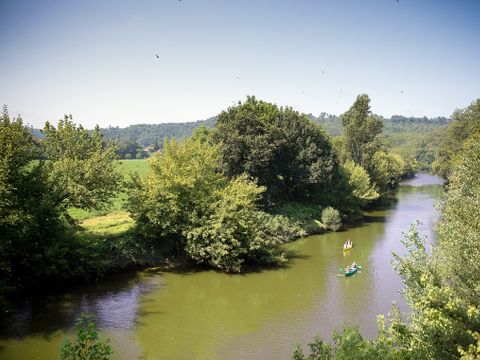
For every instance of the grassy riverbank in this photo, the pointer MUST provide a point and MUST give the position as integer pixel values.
(126, 168)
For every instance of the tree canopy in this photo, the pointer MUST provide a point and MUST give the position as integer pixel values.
(80, 167)
(465, 123)
(35, 195)
(361, 132)
(281, 148)
(192, 208)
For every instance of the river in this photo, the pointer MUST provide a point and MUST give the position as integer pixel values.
(151, 314)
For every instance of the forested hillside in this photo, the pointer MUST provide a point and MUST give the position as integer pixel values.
(413, 137)
(148, 134)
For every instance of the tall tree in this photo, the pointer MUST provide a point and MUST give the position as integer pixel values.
(81, 171)
(29, 221)
(361, 132)
(280, 147)
(459, 226)
(465, 123)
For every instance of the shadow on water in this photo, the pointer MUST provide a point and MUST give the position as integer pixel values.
(113, 302)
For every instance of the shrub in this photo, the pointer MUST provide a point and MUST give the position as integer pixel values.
(192, 209)
(87, 346)
(331, 219)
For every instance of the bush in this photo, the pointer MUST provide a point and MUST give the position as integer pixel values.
(192, 209)
(302, 214)
(87, 346)
(331, 219)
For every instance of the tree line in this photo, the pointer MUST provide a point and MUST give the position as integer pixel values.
(412, 137)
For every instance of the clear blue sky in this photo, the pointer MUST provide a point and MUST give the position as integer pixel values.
(97, 59)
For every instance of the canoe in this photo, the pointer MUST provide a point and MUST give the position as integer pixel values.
(352, 271)
(348, 247)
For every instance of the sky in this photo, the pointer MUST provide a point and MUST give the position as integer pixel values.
(97, 60)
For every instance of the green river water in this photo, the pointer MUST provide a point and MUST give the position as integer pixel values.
(262, 315)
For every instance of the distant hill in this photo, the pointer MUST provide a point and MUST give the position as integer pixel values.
(394, 125)
(147, 134)
(397, 127)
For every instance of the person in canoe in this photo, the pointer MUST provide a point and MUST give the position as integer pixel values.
(351, 267)
(348, 245)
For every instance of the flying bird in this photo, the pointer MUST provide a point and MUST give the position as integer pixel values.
(158, 57)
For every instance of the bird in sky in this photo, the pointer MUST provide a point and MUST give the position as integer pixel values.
(158, 57)
(401, 91)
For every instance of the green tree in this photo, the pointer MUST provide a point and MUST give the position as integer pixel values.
(236, 232)
(459, 226)
(442, 321)
(178, 191)
(29, 221)
(465, 123)
(331, 219)
(359, 181)
(318, 350)
(287, 153)
(81, 169)
(362, 132)
(87, 345)
(194, 209)
(386, 170)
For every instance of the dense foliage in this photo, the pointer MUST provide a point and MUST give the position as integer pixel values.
(87, 345)
(361, 133)
(331, 219)
(361, 186)
(127, 149)
(80, 167)
(362, 145)
(149, 134)
(281, 148)
(191, 207)
(349, 344)
(36, 245)
(29, 220)
(465, 122)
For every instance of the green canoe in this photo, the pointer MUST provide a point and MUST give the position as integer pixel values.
(350, 272)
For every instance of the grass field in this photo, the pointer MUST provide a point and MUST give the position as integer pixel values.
(115, 219)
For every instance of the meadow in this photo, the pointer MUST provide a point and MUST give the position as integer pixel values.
(115, 219)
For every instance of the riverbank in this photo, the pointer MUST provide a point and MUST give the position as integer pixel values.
(206, 314)
(102, 244)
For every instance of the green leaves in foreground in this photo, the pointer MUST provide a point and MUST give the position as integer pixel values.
(87, 345)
